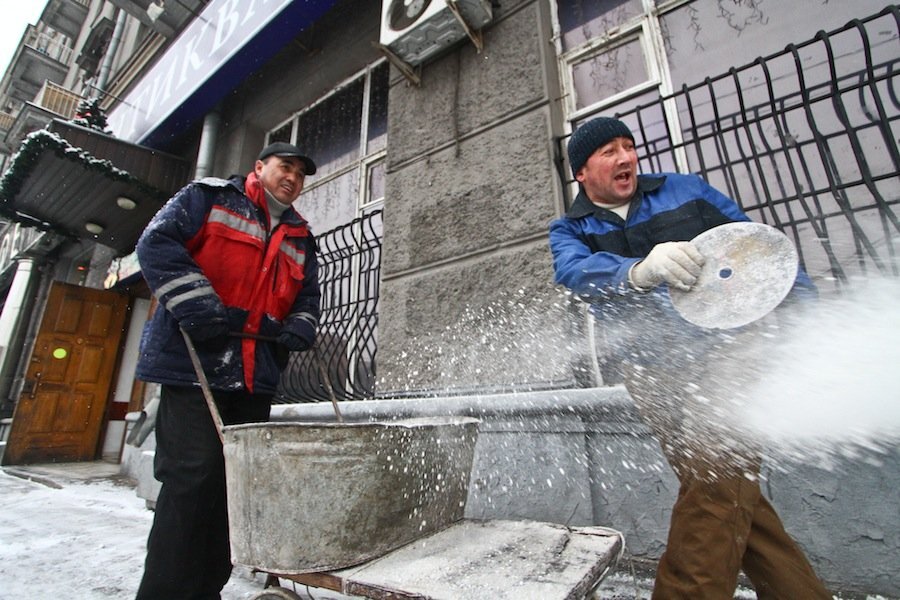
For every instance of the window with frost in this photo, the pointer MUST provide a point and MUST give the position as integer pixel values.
(346, 134)
(612, 58)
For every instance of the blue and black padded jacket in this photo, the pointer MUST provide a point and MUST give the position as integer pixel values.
(594, 248)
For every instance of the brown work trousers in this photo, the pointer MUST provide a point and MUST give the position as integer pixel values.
(721, 526)
(721, 523)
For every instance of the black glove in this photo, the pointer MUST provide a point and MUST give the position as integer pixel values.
(293, 342)
(212, 336)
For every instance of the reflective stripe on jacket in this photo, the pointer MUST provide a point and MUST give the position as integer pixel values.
(209, 257)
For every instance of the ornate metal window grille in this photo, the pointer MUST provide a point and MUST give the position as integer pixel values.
(804, 139)
(349, 274)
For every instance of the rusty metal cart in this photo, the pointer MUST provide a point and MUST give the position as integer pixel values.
(471, 560)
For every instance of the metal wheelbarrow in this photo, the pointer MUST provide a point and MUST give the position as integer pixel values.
(377, 510)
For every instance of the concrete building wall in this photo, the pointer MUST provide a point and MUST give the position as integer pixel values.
(470, 192)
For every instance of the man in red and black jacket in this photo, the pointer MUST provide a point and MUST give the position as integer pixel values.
(232, 264)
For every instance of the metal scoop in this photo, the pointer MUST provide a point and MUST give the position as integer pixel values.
(749, 269)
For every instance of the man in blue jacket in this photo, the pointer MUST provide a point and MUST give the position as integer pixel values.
(623, 242)
(233, 265)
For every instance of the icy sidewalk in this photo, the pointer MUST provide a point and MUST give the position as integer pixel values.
(75, 539)
(79, 531)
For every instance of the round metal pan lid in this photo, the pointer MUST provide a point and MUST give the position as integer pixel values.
(749, 269)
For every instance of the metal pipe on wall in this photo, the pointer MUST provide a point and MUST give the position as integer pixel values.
(17, 303)
(111, 50)
(206, 152)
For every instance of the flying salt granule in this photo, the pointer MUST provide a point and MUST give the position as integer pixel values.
(835, 380)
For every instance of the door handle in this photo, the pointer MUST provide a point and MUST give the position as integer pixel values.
(31, 385)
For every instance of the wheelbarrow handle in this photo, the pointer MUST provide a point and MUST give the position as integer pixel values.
(253, 336)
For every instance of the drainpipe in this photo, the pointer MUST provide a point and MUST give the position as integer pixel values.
(207, 144)
(144, 421)
(11, 322)
(111, 50)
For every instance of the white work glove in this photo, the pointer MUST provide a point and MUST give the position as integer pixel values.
(676, 263)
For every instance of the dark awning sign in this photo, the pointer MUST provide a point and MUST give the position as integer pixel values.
(83, 183)
(213, 55)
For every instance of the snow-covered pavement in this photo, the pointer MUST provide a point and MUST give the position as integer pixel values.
(81, 537)
(82, 540)
(79, 531)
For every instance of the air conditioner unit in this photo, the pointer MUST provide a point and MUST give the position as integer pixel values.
(415, 30)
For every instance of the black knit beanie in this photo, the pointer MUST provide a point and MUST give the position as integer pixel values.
(592, 135)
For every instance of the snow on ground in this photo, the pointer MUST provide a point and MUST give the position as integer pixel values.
(85, 538)
(82, 539)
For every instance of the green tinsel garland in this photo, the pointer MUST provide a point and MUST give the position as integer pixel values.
(36, 143)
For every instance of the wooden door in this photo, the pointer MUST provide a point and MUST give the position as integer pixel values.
(60, 412)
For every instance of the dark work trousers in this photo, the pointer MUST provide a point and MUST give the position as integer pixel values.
(188, 552)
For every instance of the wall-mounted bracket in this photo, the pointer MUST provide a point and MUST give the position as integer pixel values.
(411, 73)
(474, 34)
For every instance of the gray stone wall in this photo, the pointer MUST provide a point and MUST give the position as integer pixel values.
(470, 191)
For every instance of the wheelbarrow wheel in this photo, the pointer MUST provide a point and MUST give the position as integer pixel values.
(276, 593)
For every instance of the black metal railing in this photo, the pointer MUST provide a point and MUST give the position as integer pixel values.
(805, 140)
(349, 275)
